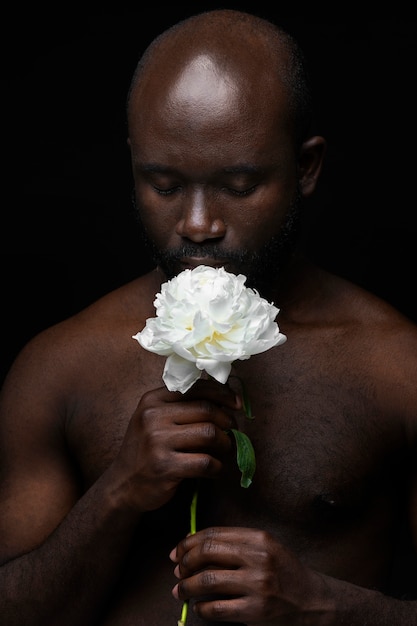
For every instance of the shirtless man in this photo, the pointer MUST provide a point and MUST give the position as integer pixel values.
(99, 459)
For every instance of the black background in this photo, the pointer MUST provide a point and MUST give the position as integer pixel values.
(67, 229)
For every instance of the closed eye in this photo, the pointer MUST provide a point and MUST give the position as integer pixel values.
(166, 192)
(241, 192)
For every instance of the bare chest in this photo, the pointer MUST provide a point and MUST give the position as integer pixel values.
(323, 454)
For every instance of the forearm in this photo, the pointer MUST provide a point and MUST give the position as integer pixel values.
(350, 605)
(67, 579)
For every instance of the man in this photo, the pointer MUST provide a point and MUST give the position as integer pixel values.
(99, 460)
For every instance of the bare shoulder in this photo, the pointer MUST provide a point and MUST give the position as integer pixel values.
(59, 357)
(381, 342)
(387, 328)
(356, 339)
(337, 301)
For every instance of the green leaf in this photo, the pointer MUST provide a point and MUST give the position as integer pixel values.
(245, 455)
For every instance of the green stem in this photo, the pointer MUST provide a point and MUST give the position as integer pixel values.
(193, 513)
(247, 409)
(193, 530)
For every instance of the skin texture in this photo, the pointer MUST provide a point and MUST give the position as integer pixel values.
(99, 460)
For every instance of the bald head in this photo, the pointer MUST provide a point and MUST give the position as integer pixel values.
(218, 115)
(216, 55)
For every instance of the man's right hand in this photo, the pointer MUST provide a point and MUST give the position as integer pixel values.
(172, 436)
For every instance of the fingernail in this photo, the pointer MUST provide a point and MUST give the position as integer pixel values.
(175, 592)
(238, 401)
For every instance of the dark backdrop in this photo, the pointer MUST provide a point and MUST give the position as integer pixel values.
(68, 234)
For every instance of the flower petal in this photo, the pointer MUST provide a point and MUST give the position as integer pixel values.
(180, 374)
(217, 369)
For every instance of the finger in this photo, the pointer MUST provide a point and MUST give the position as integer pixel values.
(185, 412)
(222, 609)
(186, 428)
(213, 582)
(216, 392)
(202, 438)
(206, 551)
(202, 411)
(237, 536)
(226, 609)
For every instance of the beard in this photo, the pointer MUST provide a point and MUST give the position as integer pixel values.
(261, 267)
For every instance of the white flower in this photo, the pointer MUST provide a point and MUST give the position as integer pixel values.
(205, 319)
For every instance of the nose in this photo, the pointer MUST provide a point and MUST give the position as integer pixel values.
(200, 220)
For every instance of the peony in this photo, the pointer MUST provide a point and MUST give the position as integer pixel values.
(206, 318)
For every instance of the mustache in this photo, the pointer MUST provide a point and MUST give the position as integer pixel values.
(211, 250)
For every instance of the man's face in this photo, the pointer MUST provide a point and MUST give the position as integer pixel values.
(215, 173)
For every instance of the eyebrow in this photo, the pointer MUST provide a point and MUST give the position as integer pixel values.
(241, 168)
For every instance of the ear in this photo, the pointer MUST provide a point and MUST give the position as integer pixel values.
(310, 163)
